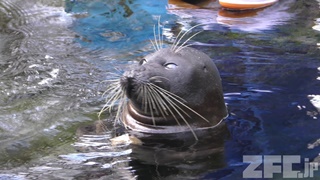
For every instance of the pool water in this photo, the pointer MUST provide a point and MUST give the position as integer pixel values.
(55, 58)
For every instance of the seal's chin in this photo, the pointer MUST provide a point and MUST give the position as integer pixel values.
(130, 116)
(147, 119)
(135, 121)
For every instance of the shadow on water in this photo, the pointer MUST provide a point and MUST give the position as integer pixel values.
(54, 56)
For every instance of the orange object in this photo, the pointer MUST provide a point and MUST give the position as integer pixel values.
(191, 4)
(176, 4)
(246, 4)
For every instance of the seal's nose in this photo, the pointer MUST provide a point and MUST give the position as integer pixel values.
(131, 80)
(126, 82)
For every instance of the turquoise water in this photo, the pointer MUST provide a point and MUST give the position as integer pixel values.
(56, 55)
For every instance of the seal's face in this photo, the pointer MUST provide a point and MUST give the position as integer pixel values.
(170, 87)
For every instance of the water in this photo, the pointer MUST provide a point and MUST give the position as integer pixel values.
(55, 56)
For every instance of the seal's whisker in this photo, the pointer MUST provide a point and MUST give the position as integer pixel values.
(153, 102)
(176, 41)
(109, 80)
(173, 96)
(172, 103)
(180, 48)
(177, 108)
(111, 101)
(115, 99)
(190, 109)
(145, 104)
(180, 37)
(119, 97)
(111, 93)
(145, 107)
(150, 107)
(115, 77)
(154, 46)
(162, 104)
(110, 104)
(161, 33)
(140, 93)
(156, 38)
(121, 106)
(158, 106)
(156, 78)
(112, 86)
(177, 97)
(113, 74)
(114, 94)
(183, 44)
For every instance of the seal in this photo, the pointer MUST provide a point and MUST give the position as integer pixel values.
(172, 90)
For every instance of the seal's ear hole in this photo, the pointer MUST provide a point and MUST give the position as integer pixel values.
(142, 61)
(170, 65)
(205, 69)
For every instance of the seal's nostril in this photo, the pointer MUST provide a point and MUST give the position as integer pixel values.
(205, 69)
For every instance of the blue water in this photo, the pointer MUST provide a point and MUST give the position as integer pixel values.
(268, 61)
(118, 25)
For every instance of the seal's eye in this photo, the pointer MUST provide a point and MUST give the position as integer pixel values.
(142, 61)
(170, 65)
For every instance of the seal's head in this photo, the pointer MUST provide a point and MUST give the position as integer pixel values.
(170, 88)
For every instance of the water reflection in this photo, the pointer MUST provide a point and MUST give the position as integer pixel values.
(179, 155)
(249, 21)
(42, 79)
(317, 23)
(179, 4)
(257, 20)
(159, 156)
(117, 25)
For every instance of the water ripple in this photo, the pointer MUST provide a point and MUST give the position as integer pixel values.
(42, 72)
